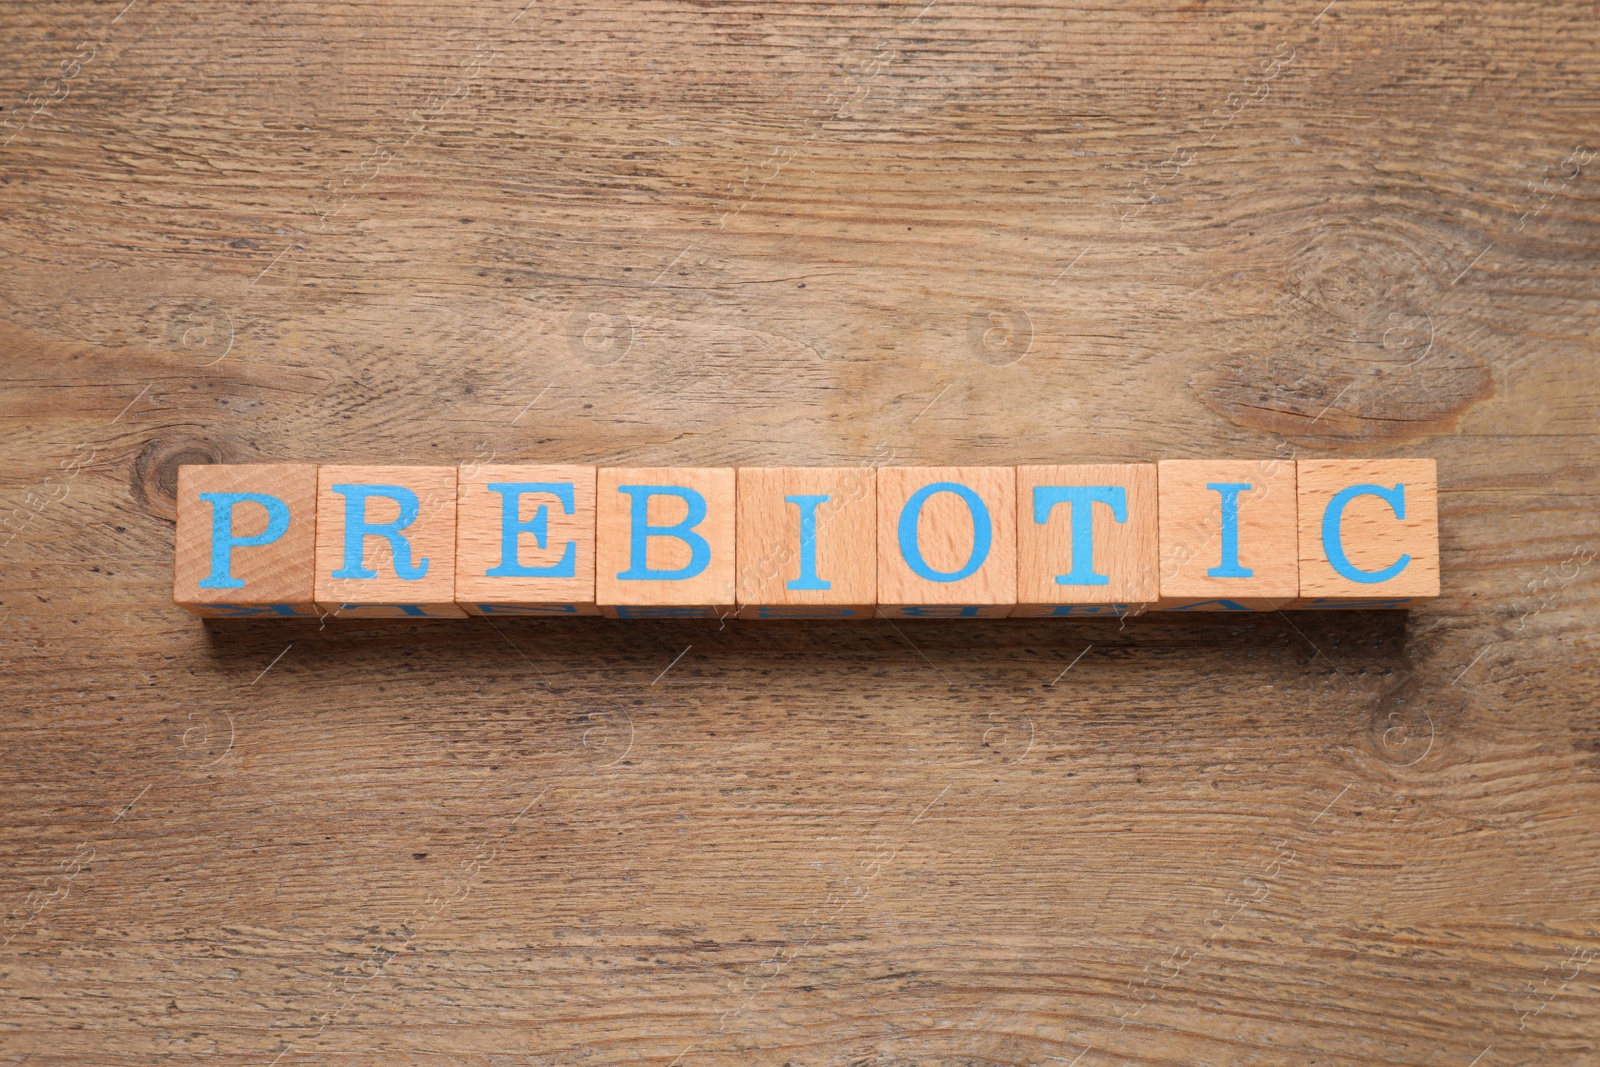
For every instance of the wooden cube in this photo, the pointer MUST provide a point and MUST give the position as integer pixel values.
(246, 540)
(525, 540)
(807, 542)
(1228, 535)
(664, 542)
(386, 542)
(1369, 532)
(947, 542)
(1086, 540)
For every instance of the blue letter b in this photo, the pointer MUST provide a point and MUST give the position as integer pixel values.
(641, 531)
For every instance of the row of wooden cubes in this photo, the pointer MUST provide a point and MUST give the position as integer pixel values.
(805, 542)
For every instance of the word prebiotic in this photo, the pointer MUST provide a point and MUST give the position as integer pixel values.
(1073, 540)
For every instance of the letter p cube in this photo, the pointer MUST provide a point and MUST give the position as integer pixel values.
(245, 540)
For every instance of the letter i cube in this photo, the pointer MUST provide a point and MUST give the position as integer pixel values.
(525, 540)
(664, 542)
(1369, 532)
(386, 542)
(807, 542)
(1086, 540)
(947, 542)
(1229, 540)
(246, 540)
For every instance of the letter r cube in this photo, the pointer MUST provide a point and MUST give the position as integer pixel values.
(386, 542)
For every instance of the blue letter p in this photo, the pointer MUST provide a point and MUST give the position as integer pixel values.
(223, 541)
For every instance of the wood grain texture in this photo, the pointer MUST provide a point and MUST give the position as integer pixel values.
(540, 543)
(843, 542)
(947, 542)
(1124, 544)
(276, 577)
(771, 234)
(1375, 532)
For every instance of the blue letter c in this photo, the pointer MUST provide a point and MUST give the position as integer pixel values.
(1333, 544)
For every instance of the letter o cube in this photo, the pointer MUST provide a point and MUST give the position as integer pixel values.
(947, 542)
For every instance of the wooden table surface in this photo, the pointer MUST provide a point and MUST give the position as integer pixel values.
(765, 233)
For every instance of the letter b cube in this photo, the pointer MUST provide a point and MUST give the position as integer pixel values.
(664, 544)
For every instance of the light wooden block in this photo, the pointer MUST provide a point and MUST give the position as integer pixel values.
(1227, 548)
(947, 542)
(1369, 532)
(246, 540)
(525, 540)
(1106, 509)
(664, 542)
(386, 542)
(807, 542)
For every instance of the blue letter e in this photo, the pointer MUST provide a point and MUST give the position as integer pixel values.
(641, 531)
(223, 542)
(357, 529)
(510, 503)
